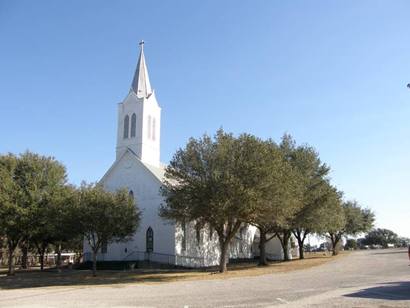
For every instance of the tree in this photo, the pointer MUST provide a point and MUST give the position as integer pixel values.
(64, 214)
(353, 221)
(13, 217)
(212, 182)
(403, 241)
(314, 191)
(106, 217)
(43, 185)
(30, 184)
(351, 244)
(277, 192)
(381, 237)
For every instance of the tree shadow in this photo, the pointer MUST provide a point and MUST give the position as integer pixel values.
(37, 279)
(388, 291)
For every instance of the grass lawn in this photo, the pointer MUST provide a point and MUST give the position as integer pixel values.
(51, 278)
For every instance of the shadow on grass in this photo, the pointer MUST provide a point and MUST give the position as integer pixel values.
(36, 279)
(388, 291)
(50, 278)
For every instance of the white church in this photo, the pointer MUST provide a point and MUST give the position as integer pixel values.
(138, 168)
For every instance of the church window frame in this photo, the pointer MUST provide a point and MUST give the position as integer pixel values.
(149, 127)
(126, 126)
(198, 231)
(133, 125)
(242, 238)
(149, 240)
(184, 236)
(104, 247)
(153, 128)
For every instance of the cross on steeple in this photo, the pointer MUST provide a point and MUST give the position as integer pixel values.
(140, 84)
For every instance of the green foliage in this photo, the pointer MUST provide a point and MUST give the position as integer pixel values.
(314, 190)
(278, 190)
(31, 188)
(381, 237)
(106, 217)
(403, 241)
(351, 244)
(349, 219)
(216, 182)
(358, 220)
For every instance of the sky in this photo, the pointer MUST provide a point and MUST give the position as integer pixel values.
(332, 74)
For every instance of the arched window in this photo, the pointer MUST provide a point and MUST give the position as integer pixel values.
(153, 128)
(126, 126)
(150, 240)
(104, 247)
(183, 243)
(149, 127)
(242, 238)
(133, 125)
(242, 233)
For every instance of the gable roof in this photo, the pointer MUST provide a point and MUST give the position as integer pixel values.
(157, 172)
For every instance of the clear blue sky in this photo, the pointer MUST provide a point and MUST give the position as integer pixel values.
(332, 74)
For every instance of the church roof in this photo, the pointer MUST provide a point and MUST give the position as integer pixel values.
(157, 172)
(140, 84)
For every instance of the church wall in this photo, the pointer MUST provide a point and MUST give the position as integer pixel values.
(274, 250)
(202, 248)
(242, 243)
(131, 174)
(150, 151)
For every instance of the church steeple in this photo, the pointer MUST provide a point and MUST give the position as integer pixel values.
(139, 118)
(140, 84)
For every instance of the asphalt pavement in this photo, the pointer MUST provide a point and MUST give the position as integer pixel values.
(373, 278)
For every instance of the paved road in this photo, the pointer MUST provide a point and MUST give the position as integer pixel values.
(363, 279)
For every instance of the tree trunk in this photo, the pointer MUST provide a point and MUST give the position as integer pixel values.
(58, 258)
(301, 250)
(262, 248)
(224, 256)
(41, 250)
(285, 244)
(334, 238)
(24, 257)
(225, 235)
(334, 246)
(94, 262)
(11, 249)
(286, 251)
(41, 261)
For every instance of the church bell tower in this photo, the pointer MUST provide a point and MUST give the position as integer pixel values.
(139, 118)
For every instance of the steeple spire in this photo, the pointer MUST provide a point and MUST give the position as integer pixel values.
(140, 84)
